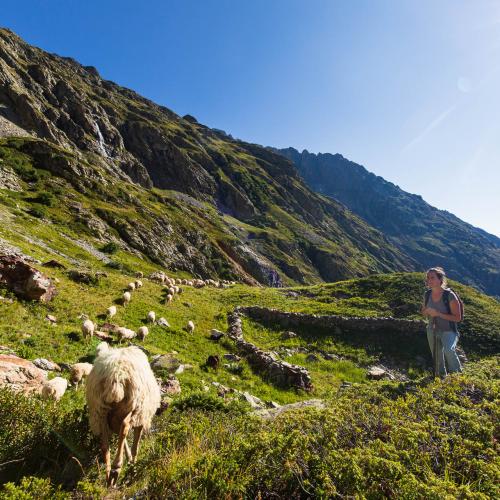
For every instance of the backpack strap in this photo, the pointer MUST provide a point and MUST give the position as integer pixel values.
(446, 301)
(427, 296)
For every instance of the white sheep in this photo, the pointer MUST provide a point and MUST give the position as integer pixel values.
(78, 372)
(54, 388)
(151, 317)
(110, 311)
(142, 332)
(131, 286)
(171, 290)
(88, 327)
(124, 333)
(190, 326)
(122, 393)
(168, 298)
(126, 298)
(176, 288)
(138, 283)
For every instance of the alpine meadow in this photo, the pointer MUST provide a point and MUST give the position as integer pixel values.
(275, 294)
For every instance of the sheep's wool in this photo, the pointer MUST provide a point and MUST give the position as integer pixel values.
(121, 375)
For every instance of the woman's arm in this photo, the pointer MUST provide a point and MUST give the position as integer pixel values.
(454, 316)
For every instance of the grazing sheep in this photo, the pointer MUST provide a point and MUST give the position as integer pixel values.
(168, 298)
(151, 317)
(176, 288)
(126, 298)
(142, 332)
(171, 290)
(78, 372)
(131, 286)
(88, 328)
(122, 393)
(138, 283)
(190, 326)
(111, 311)
(124, 333)
(54, 388)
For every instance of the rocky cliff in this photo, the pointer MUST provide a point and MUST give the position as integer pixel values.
(125, 169)
(430, 236)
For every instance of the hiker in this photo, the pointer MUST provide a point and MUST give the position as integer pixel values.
(443, 309)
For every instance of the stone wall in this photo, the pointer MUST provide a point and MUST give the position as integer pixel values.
(277, 371)
(339, 324)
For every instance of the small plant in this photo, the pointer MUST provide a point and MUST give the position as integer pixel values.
(37, 212)
(110, 248)
(46, 199)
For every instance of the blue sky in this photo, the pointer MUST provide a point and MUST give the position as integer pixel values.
(409, 89)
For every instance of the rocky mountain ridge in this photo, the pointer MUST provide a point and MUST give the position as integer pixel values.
(429, 235)
(170, 188)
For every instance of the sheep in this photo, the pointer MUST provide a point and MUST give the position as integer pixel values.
(126, 298)
(78, 372)
(139, 274)
(171, 290)
(122, 393)
(176, 289)
(111, 311)
(168, 298)
(88, 327)
(131, 286)
(124, 333)
(178, 281)
(138, 283)
(151, 317)
(190, 326)
(54, 388)
(142, 332)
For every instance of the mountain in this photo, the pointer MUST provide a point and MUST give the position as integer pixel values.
(103, 165)
(430, 236)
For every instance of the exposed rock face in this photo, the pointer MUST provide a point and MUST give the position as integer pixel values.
(94, 135)
(20, 374)
(168, 362)
(274, 412)
(425, 233)
(24, 280)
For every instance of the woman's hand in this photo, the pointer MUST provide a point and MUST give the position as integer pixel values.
(429, 311)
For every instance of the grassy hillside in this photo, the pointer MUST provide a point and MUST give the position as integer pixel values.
(364, 443)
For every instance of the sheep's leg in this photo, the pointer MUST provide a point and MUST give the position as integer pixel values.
(118, 461)
(127, 451)
(106, 454)
(135, 445)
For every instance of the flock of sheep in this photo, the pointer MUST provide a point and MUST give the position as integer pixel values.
(122, 392)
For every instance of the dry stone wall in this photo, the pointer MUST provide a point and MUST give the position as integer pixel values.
(279, 372)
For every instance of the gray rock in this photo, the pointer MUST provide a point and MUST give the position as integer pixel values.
(163, 322)
(166, 362)
(45, 364)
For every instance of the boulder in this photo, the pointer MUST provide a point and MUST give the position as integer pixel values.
(232, 357)
(166, 362)
(20, 374)
(84, 277)
(171, 386)
(24, 280)
(216, 334)
(45, 364)
(289, 335)
(163, 322)
(270, 413)
(376, 373)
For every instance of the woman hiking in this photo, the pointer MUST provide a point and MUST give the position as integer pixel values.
(443, 316)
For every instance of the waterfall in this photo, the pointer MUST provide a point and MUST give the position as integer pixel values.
(102, 144)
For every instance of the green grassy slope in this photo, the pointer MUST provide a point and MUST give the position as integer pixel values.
(369, 431)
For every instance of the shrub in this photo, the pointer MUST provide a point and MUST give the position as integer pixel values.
(46, 199)
(110, 248)
(31, 488)
(37, 212)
